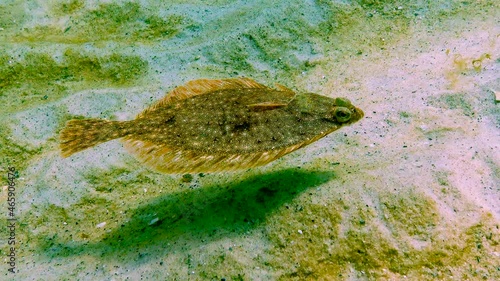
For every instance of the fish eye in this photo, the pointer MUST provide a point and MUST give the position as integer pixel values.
(342, 114)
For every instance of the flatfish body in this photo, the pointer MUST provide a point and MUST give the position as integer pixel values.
(217, 125)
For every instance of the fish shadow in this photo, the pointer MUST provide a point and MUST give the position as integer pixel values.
(191, 218)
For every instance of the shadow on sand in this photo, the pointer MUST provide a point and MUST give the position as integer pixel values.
(195, 217)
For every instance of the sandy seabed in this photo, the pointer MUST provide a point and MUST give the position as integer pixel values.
(411, 192)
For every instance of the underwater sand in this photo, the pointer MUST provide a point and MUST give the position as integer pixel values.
(411, 192)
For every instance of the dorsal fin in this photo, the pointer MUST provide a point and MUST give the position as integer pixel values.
(203, 86)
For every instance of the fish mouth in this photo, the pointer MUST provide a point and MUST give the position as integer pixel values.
(359, 113)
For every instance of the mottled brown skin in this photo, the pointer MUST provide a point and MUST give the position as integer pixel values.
(222, 122)
(228, 124)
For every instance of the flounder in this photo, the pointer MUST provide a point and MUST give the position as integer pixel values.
(217, 125)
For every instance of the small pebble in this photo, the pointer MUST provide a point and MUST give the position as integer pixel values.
(153, 221)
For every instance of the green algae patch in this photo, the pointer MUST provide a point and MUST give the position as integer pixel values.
(455, 101)
(303, 238)
(71, 22)
(14, 154)
(370, 27)
(361, 30)
(118, 180)
(280, 47)
(99, 210)
(468, 255)
(262, 49)
(311, 243)
(12, 15)
(114, 70)
(315, 242)
(291, 45)
(67, 7)
(442, 178)
(37, 78)
(414, 213)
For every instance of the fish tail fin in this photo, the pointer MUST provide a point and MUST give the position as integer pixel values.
(78, 135)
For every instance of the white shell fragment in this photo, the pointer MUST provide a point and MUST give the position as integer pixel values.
(101, 225)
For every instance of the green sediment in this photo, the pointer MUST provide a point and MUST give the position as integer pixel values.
(14, 154)
(442, 178)
(415, 214)
(118, 180)
(20, 154)
(36, 78)
(457, 101)
(322, 249)
(128, 22)
(284, 47)
(12, 17)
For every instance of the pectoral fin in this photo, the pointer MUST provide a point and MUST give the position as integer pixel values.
(263, 106)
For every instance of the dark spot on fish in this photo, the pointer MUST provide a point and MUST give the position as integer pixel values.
(241, 127)
(170, 120)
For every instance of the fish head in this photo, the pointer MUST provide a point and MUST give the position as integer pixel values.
(337, 111)
(343, 112)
